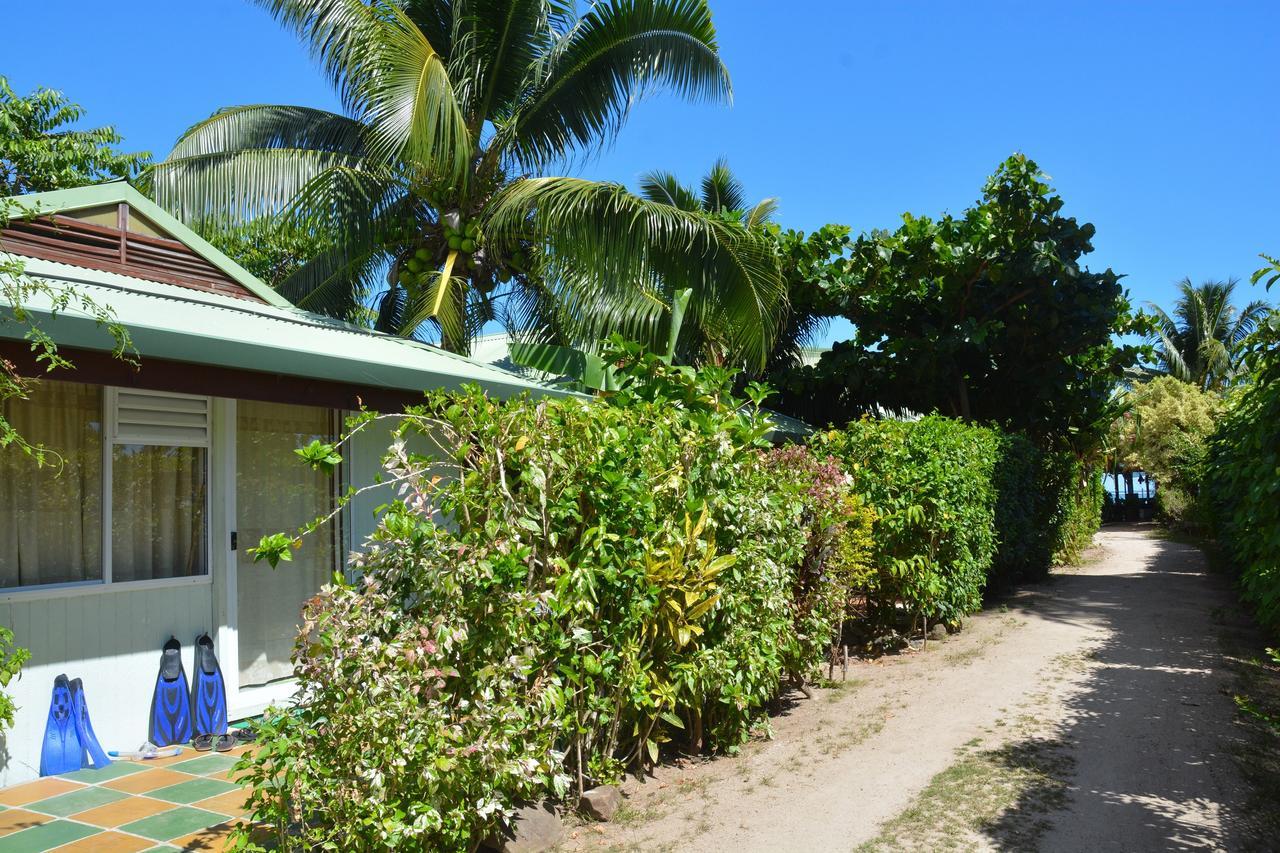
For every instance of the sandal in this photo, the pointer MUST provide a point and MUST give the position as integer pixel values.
(244, 735)
(202, 743)
(224, 743)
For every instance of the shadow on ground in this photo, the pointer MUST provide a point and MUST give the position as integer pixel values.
(1145, 752)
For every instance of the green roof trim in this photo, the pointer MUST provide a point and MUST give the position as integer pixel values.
(115, 192)
(174, 323)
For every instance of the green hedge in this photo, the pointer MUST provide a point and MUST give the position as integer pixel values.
(931, 484)
(617, 580)
(1242, 480)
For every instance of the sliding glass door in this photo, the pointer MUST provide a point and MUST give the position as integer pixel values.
(276, 492)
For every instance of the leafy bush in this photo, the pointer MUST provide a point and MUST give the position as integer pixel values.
(1080, 500)
(1165, 432)
(568, 588)
(616, 579)
(11, 660)
(1041, 517)
(930, 483)
(1242, 483)
(838, 560)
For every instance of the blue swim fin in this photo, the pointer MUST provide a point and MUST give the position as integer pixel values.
(208, 691)
(171, 704)
(93, 751)
(61, 750)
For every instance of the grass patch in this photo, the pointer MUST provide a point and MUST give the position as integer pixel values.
(1002, 795)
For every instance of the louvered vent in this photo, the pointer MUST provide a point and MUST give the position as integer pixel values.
(68, 240)
(174, 420)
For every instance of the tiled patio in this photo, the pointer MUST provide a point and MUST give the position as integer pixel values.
(188, 802)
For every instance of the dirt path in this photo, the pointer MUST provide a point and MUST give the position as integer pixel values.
(1089, 713)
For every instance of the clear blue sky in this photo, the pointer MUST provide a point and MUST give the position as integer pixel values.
(1156, 120)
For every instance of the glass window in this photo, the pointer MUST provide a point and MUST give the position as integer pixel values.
(158, 512)
(51, 517)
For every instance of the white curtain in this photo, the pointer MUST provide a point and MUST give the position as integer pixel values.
(51, 517)
(157, 512)
(276, 492)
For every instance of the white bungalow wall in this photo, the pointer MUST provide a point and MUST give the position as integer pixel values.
(109, 639)
(111, 636)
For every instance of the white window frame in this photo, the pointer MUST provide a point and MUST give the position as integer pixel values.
(110, 439)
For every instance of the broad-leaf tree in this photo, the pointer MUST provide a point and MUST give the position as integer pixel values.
(989, 316)
(1202, 340)
(431, 185)
(41, 150)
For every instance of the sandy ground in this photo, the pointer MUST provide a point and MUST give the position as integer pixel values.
(1114, 665)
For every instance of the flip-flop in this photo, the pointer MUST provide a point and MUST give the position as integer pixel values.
(224, 743)
(244, 735)
(202, 743)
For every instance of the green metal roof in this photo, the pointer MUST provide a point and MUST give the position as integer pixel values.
(115, 192)
(176, 323)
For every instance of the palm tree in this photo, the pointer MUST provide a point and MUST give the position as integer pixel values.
(705, 335)
(1202, 341)
(721, 193)
(427, 186)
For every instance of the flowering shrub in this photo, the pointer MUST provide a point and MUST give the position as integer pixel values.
(568, 588)
(615, 579)
(837, 564)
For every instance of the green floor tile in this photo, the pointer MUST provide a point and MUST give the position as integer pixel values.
(206, 764)
(71, 803)
(163, 848)
(173, 823)
(114, 770)
(196, 789)
(46, 837)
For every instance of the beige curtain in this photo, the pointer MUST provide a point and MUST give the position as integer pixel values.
(51, 517)
(157, 512)
(276, 493)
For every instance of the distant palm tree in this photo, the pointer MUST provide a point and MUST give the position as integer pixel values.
(1202, 341)
(429, 186)
(707, 330)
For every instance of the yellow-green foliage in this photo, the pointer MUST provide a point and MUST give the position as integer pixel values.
(1165, 430)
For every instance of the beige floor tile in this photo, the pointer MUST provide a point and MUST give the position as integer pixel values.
(122, 811)
(108, 842)
(42, 789)
(147, 780)
(230, 803)
(215, 838)
(12, 820)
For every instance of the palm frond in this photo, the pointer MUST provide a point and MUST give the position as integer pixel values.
(251, 161)
(498, 43)
(721, 189)
(763, 212)
(666, 188)
(611, 57)
(363, 214)
(615, 259)
(390, 77)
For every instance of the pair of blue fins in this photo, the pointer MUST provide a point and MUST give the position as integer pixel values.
(178, 714)
(69, 740)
